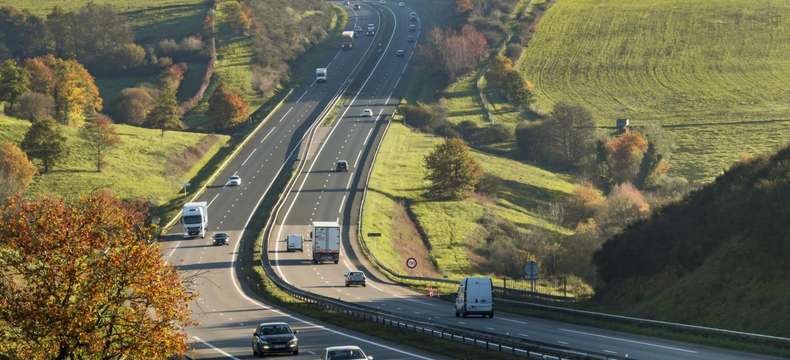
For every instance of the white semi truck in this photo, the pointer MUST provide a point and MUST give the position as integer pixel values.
(194, 217)
(326, 241)
(320, 75)
(348, 40)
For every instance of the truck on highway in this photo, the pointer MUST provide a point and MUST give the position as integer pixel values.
(294, 242)
(348, 39)
(194, 217)
(475, 297)
(326, 241)
(320, 75)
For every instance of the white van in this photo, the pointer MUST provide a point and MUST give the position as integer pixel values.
(294, 242)
(474, 297)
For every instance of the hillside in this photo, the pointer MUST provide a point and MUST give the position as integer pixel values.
(711, 71)
(396, 206)
(717, 258)
(144, 165)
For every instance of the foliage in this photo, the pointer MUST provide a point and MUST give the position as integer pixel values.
(165, 114)
(507, 81)
(82, 281)
(100, 137)
(33, 105)
(669, 72)
(685, 261)
(68, 83)
(43, 141)
(452, 171)
(226, 108)
(14, 82)
(16, 171)
(626, 153)
(453, 52)
(134, 104)
(239, 16)
(570, 132)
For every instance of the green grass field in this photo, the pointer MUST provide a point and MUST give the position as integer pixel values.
(143, 166)
(398, 177)
(675, 62)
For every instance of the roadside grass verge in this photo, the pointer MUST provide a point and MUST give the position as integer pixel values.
(254, 279)
(43, 7)
(671, 62)
(450, 226)
(144, 166)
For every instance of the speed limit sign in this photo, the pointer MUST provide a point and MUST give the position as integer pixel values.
(411, 263)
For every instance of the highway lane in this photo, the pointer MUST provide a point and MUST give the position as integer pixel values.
(323, 195)
(226, 315)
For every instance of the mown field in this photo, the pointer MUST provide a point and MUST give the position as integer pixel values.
(449, 225)
(144, 165)
(692, 63)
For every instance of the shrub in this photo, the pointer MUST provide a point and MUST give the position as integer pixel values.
(16, 171)
(33, 105)
(513, 50)
(531, 140)
(133, 105)
(452, 170)
(496, 133)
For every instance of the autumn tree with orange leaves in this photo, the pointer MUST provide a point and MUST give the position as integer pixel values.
(81, 281)
(227, 108)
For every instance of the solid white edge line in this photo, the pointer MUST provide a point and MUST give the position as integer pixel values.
(629, 341)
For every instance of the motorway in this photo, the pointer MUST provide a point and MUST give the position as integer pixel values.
(226, 315)
(320, 194)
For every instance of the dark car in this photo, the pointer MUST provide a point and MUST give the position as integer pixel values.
(410, 39)
(341, 166)
(356, 6)
(355, 278)
(270, 338)
(400, 53)
(221, 239)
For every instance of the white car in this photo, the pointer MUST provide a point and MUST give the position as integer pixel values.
(344, 353)
(382, 2)
(367, 113)
(234, 180)
(402, 4)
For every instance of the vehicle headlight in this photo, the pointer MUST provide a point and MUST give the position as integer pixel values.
(292, 343)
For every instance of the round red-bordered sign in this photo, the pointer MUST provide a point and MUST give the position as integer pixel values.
(411, 263)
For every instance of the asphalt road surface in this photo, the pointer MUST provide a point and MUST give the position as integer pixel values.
(323, 195)
(226, 315)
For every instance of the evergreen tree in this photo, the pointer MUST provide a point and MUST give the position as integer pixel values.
(44, 142)
(452, 170)
(649, 163)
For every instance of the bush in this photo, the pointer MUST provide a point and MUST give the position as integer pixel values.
(513, 50)
(16, 171)
(419, 116)
(133, 105)
(496, 133)
(489, 185)
(452, 171)
(468, 129)
(531, 141)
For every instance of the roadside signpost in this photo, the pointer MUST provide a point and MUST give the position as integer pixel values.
(411, 263)
(531, 272)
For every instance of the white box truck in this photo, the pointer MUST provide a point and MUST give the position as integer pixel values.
(320, 75)
(194, 217)
(326, 241)
(294, 242)
(348, 40)
(475, 297)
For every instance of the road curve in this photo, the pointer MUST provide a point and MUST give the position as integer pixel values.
(322, 195)
(226, 314)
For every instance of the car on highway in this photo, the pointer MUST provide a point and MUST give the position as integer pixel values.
(367, 113)
(410, 39)
(221, 238)
(355, 278)
(356, 6)
(383, 2)
(349, 352)
(401, 4)
(274, 337)
(341, 166)
(234, 180)
(412, 27)
(358, 29)
(413, 16)
(400, 53)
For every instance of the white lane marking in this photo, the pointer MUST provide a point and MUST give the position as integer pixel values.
(173, 250)
(367, 137)
(249, 156)
(342, 202)
(356, 162)
(212, 200)
(215, 348)
(524, 335)
(610, 351)
(514, 321)
(291, 108)
(629, 341)
(267, 135)
(348, 185)
(562, 342)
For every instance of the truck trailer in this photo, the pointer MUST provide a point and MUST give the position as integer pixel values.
(348, 39)
(194, 217)
(326, 241)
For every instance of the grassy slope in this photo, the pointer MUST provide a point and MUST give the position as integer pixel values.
(398, 175)
(675, 62)
(42, 7)
(137, 168)
(717, 258)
